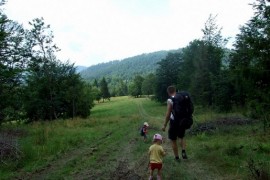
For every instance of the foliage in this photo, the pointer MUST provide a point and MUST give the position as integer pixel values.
(197, 69)
(135, 89)
(105, 94)
(212, 32)
(12, 65)
(167, 74)
(34, 84)
(60, 91)
(120, 74)
(250, 61)
(201, 67)
(125, 69)
(96, 93)
(148, 84)
(72, 149)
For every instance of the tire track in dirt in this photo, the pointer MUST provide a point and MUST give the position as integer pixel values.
(191, 167)
(69, 156)
(125, 168)
(123, 171)
(132, 170)
(144, 113)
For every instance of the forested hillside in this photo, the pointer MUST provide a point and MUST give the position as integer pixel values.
(80, 68)
(126, 69)
(55, 125)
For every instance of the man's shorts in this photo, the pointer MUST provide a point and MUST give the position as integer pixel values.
(154, 166)
(175, 131)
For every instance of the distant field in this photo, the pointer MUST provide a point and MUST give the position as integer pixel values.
(107, 145)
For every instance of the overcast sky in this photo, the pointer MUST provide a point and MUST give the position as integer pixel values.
(94, 31)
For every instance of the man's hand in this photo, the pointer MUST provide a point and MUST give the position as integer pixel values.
(164, 128)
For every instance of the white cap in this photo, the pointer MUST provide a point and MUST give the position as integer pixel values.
(146, 124)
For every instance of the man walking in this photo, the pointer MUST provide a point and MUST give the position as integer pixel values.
(177, 125)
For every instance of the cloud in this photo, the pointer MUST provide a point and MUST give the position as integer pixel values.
(94, 31)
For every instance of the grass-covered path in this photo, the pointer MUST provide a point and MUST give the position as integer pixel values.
(119, 153)
(108, 146)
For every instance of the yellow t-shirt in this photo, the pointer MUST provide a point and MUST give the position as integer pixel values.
(156, 153)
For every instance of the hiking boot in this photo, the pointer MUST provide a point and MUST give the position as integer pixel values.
(184, 155)
(177, 159)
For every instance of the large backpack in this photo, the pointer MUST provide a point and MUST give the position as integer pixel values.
(183, 109)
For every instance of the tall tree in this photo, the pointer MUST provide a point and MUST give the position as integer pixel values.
(212, 32)
(95, 84)
(148, 85)
(122, 88)
(202, 60)
(42, 66)
(136, 87)
(167, 74)
(104, 89)
(12, 65)
(250, 62)
(52, 88)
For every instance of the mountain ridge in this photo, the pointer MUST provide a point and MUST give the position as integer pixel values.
(126, 68)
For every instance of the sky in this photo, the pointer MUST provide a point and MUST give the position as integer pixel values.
(89, 32)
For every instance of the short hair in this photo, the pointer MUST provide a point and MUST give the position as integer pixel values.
(156, 140)
(171, 89)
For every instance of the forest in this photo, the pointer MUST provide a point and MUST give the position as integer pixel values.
(57, 122)
(221, 78)
(36, 85)
(125, 69)
(217, 77)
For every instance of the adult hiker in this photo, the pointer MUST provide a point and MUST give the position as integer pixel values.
(179, 113)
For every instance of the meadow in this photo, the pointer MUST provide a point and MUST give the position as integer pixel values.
(108, 145)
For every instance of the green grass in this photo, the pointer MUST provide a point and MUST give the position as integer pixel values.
(96, 147)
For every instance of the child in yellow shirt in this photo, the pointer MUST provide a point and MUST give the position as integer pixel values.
(156, 153)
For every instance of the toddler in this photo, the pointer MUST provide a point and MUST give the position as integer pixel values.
(144, 131)
(156, 153)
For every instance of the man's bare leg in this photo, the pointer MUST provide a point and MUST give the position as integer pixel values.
(183, 146)
(175, 149)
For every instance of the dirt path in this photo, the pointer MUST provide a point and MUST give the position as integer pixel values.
(70, 156)
(191, 168)
(127, 170)
(143, 113)
(124, 166)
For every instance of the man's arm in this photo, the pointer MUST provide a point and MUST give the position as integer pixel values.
(167, 117)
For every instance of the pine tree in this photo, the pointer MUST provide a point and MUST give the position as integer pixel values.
(104, 89)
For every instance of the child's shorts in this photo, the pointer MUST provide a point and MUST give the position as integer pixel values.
(154, 166)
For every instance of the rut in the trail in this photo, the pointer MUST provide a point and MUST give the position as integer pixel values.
(52, 167)
(192, 167)
(125, 168)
